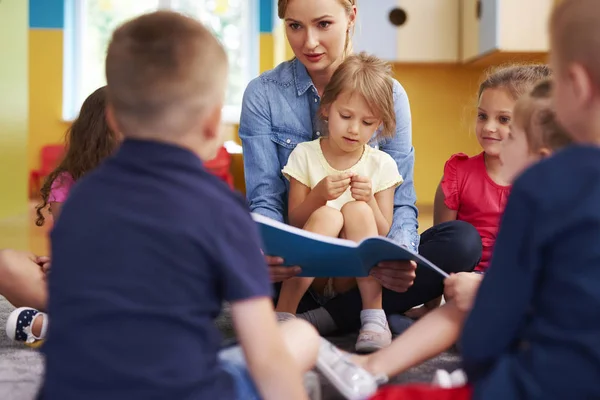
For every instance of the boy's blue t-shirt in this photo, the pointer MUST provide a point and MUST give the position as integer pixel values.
(534, 331)
(145, 250)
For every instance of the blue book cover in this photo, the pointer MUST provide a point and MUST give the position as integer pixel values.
(323, 256)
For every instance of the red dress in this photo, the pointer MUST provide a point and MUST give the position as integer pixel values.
(478, 200)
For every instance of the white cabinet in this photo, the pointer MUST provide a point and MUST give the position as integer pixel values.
(411, 31)
(515, 26)
(469, 36)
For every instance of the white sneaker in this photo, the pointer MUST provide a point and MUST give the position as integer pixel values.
(351, 380)
(284, 316)
(458, 378)
(19, 323)
(446, 380)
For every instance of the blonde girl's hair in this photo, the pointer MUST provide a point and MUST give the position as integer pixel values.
(347, 4)
(369, 77)
(535, 114)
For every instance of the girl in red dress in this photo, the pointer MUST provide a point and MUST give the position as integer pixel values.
(472, 189)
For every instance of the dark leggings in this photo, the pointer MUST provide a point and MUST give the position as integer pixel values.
(453, 246)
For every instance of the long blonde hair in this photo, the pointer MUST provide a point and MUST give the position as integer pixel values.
(347, 4)
(369, 77)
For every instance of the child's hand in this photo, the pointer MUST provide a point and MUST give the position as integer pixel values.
(333, 186)
(44, 262)
(361, 188)
(462, 288)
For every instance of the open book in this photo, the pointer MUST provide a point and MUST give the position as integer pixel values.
(323, 256)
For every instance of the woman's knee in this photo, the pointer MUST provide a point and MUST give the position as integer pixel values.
(466, 241)
(455, 246)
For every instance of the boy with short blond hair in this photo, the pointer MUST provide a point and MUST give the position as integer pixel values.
(150, 244)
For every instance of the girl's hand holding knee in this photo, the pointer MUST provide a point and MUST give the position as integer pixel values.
(361, 189)
(462, 288)
(333, 186)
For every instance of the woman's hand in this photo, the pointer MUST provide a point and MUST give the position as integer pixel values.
(279, 273)
(395, 275)
(462, 288)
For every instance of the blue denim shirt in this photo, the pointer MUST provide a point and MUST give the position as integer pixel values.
(279, 110)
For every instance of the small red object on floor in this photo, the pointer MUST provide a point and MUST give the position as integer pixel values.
(422, 392)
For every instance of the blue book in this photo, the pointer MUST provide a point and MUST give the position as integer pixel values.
(323, 256)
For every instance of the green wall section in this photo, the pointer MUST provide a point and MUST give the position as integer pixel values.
(14, 29)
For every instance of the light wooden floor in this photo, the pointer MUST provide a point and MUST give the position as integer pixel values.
(21, 233)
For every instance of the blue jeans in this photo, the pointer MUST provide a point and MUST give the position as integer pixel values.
(233, 362)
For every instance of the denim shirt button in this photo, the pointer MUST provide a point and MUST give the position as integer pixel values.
(318, 133)
(288, 141)
(316, 99)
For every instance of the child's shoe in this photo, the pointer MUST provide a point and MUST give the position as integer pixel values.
(350, 379)
(19, 326)
(370, 341)
(446, 380)
(374, 333)
(284, 316)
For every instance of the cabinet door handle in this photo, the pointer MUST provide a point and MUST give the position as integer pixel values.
(478, 9)
(398, 17)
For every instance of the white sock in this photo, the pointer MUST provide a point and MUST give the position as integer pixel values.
(373, 320)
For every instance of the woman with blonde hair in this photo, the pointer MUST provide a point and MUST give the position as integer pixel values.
(280, 110)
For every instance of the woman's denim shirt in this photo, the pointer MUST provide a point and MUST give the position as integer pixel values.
(279, 110)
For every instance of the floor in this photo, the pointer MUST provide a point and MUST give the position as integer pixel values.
(21, 368)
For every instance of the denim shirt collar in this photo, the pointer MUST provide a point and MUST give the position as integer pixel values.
(301, 77)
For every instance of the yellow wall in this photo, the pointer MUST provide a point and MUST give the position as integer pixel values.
(13, 107)
(45, 91)
(443, 103)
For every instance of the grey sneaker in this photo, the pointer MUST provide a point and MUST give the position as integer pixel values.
(351, 380)
(369, 341)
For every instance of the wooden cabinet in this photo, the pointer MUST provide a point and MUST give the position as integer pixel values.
(469, 35)
(431, 31)
(411, 31)
(450, 31)
(504, 26)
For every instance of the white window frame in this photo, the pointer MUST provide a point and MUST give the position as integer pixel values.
(72, 63)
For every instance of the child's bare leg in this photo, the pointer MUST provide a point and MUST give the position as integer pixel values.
(302, 341)
(325, 221)
(22, 281)
(434, 333)
(359, 223)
